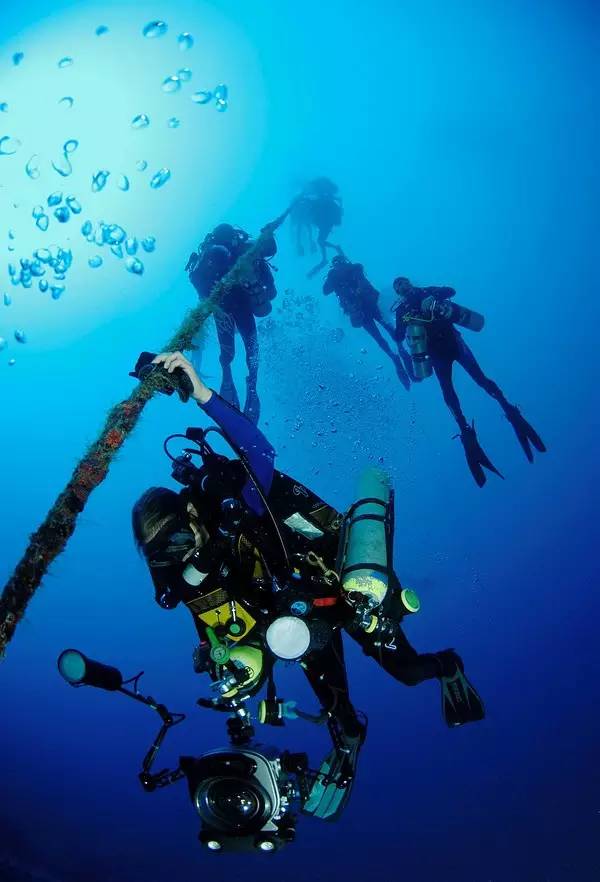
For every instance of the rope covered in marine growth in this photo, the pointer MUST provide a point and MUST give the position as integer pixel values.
(52, 536)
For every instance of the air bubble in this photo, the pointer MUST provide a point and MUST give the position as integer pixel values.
(100, 30)
(8, 145)
(202, 97)
(99, 181)
(171, 84)
(173, 123)
(131, 245)
(123, 183)
(149, 244)
(3, 107)
(32, 168)
(160, 178)
(43, 222)
(63, 166)
(141, 165)
(67, 101)
(74, 204)
(62, 214)
(185, 41)
(43, 285)
(66, 61)
(7, 299)
(71, 145)
(155, 29)
(141, 121)
(95, 261)
(117, 250)
(86, 228)
(57, 291)
(184, 74)
(18, 58)
(55, 198)
(135, 266)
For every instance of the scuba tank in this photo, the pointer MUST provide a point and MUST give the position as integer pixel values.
(459, 315)
(453, 312)
(365, 547)
(416, 339)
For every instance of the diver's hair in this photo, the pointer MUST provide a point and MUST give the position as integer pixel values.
(154, 509)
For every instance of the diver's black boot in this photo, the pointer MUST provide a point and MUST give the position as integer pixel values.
(525, 433)
(252, 405)
(460, 702)
(228, 390)
(477, 459)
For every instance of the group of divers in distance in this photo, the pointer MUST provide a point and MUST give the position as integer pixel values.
(269, 571)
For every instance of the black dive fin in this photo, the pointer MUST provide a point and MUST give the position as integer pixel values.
(460, 702)
(477, 459)
(525, 432)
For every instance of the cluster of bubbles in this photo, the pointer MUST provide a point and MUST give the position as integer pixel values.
(47, 267)
(62, 209)
(44, 262)
(172, 83)
(119, 243)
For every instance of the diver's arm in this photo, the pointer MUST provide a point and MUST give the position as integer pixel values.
(245, 438)
(443, 293)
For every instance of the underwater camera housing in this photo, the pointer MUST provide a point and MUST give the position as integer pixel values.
(243, 798)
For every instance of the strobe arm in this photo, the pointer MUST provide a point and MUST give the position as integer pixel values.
(79, 670)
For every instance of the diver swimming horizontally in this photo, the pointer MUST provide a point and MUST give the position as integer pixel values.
(319, 207)
(426, 318)
(248, 300)
(359, 300)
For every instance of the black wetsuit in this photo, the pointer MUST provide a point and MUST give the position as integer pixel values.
(237, 312)
(255, 566)
(445, 346)
(359, 300)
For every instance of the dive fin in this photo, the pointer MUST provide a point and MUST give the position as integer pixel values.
(525, 432)
(228, 392)
(331, 790)
(460, 701)
(477, 459)
(252, 405)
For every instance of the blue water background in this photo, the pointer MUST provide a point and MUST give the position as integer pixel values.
(464, 138)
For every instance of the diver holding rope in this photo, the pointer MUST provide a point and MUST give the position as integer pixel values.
(270, 573)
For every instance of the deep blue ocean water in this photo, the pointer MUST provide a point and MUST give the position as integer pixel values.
(464, 139)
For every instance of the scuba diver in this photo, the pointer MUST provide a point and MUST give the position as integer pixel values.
(426, 318)
(318, 207)
(237, 311)
(359, 300)
(269, 571)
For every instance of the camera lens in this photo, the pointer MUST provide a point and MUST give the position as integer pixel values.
(233, 805)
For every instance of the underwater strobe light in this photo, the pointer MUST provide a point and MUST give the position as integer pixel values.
(79, 670)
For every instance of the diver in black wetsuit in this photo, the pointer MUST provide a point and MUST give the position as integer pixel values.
(237, 311)
(247, 544)
(426, 317)
(318, 207)
(359, 300)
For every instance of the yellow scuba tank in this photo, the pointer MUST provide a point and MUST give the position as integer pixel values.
(365, 552)
(416, 339)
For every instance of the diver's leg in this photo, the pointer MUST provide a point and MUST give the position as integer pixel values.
(476, 457)
(467, 360)
(443, 372)
(526, 434)
(246, 325)
(396, 656)
(326, 673)
(226, 333)
(373, 331)
(323, 233)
